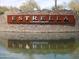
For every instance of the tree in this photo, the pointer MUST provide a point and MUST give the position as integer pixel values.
(13, 8)
(74, 5)
(29, 6)
(3, 9)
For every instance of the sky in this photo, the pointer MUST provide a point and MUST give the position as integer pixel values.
(42, 3)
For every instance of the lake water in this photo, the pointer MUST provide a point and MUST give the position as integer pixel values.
(62, 50)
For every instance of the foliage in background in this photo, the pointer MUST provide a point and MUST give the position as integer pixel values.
(74, 5)
(29, 6)
(3, 9)
(59, 7)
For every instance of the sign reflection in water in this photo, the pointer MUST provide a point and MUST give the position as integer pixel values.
(41, 44)
(51, 49)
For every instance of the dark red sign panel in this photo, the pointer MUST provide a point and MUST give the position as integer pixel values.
(41, 19)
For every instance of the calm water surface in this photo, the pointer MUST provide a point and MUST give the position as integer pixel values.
(60, 52)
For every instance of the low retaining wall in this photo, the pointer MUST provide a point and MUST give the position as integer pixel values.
(39, 35)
